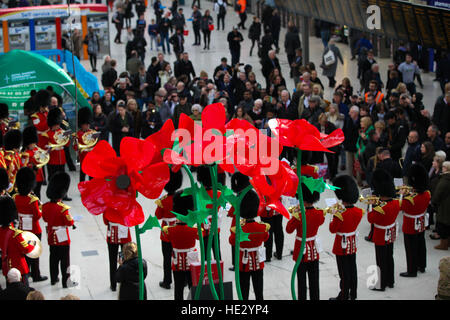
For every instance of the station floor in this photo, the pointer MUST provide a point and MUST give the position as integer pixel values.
(89, 254)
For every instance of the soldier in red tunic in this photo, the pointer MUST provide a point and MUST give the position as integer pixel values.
(29, 211)
(116, 235)
(29, 146)
(13, 246)
(4, 121)
(182, 237)
(345, 241)
(383, 216)
(310, 260)
(13, 141)
(84, 120)
(58, 219)
(414, 209)
(39, 117)
(252, 253)
(163, 212)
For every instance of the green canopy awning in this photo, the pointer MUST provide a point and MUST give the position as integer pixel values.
(22, 71)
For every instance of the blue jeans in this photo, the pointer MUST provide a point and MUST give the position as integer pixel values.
(165, 37)
(325, 36)
(154, 39)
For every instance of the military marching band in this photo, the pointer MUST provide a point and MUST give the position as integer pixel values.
(35, 157)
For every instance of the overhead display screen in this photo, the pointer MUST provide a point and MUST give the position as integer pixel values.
(424, 26)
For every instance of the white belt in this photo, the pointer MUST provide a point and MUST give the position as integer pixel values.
(385, 227)
(25, 215)
(183, 250)
(414, 217)
(251, 249)
(169, 220)
(112, 224)
(59, 227)
(346, 234)
(307, 239)
(42, 132)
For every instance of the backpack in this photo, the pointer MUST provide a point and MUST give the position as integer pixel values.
(222, 10)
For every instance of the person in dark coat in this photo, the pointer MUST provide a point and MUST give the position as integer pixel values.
(268, 65)
(100, 122)
(276, 27)
(120, 125)
(291, 43)
(441, 114)
(351, 133)
(15, 288)
(151, 121)
(330, 70)
(254, 33)
(177, 41)
(205, 23)
(234, 41)
(128, 273)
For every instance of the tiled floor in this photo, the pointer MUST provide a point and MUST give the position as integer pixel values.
(89, 253)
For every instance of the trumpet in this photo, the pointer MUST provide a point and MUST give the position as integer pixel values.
(62, 138)
(295, 211)
(88, 140)
(372, 200)
(336, 210)
(405, 191)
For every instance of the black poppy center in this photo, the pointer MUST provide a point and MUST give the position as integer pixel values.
(123, 182)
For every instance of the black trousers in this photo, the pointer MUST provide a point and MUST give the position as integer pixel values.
(220, 18)
(385, 261)
(312, 269)
(167, 261)
(253, 45)
(193, 3)
(198, 38)
(37, 189)
(52, 169)
(33, 264)
(348, 276)
(206, 38)
(275, 233)
(119, 32)
(333, 163)
(181, 278)
(113, 252)
(243, 17)
(257, 281)
(235, 56)
(232, 255)
(59, 257)
(93, 61)
(205, 243)
(416, 252)
(69, 160)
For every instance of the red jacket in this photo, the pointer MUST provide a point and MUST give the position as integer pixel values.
(28, 207)
(249, 256)
(381, 235)
(15, 251)
(57, 216)
(13, 164)
(314, 219)
(415, 207)
(40, 122)
(163, 211)
(32, 162)
(182, 238)
(112, 234)
(2, 159)
(351, 219)
(57, 156)
(82, 153)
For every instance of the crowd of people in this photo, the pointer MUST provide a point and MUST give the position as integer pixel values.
(389, 133)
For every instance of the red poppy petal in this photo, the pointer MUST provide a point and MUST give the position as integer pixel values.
(307, 128)
(310, 143)
(154, 178)
(136, 153)
(214, 117)
(102, 161)
(162, 139)
(131, 217)
(333, 139)
(173, 157)
(93, 193)
(186, 123)
(278, 207)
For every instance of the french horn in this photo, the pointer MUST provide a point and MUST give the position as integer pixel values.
(41, 156)
(89, 140)
(61, 137)
(31, 237)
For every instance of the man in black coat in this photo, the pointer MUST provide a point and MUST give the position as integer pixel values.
(177, 41)
(268, 65)
(220, 71)
(292, 43)
(390, 165)
(397, 133)
(196, 23)
(441, 114)
(276, 27)
(15, 288)
(351, 133)
(184, 67)
(234, 41)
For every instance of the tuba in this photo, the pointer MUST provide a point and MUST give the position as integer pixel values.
(31, 237)
(62, 138)
(88, 140)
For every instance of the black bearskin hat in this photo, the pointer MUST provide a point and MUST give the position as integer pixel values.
(29, 136)
(418, 178)
(12, 139)
(4, 111)
(175, 182)
(308, 196)
(42, 99)
(4, 180)
(25, 180)
(306, 157)
(181, 204)
(239, 182)
(348, 191)
(54, 117)
(250, 205)
(58, 185)
(84, 116)
(383, 183)
(8, 211)
(204, 177)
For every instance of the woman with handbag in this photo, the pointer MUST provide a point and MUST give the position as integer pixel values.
(330, 62)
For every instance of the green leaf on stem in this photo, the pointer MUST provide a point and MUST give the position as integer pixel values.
(150, 224)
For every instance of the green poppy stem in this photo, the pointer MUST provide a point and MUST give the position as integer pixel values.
(200, 237)
(302, 209)
(140, 264)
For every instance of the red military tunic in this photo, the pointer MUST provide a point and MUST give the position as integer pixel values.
(163, 211)
(28, 207)
(113, 235)
(314, 219)
(57, 216)
(81, 153)
(13, 164)
(57, 155)
(32, 162)
(2, 159)
(40, 122)
(351, 218)
(414, 210)
(183, 239)
(385, 227)
(251, 252)
(15, 251)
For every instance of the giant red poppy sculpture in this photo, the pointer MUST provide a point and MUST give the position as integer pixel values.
(116, 180)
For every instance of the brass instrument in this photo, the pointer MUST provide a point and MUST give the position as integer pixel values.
(24, 158)
(295, 211)
(89, 140)
(41, 156)
(62, 138)
(373, 200)
(14, 125)
(31, 237)
(406, 191)
(336, 210)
